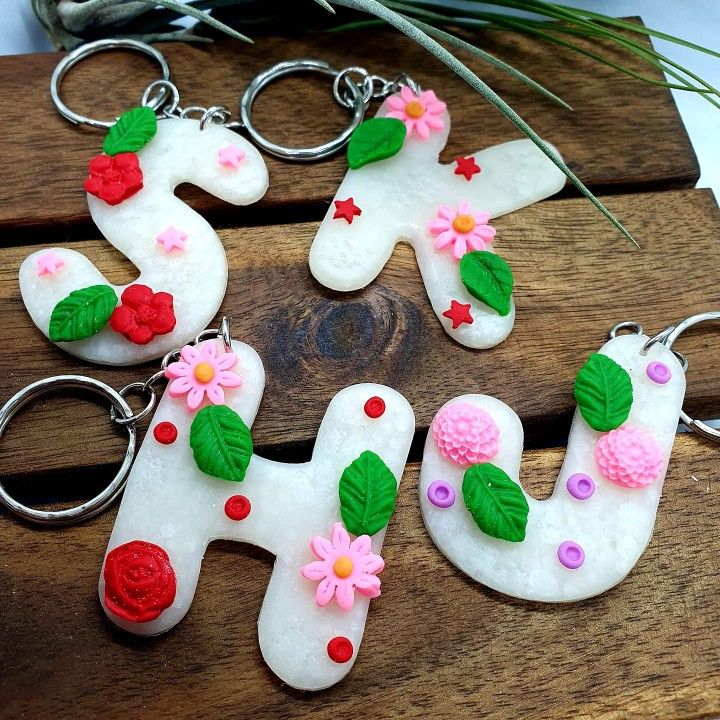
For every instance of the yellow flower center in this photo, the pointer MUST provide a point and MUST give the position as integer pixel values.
(414, 109)
(464, 223)
(343, 566)
(204, 372)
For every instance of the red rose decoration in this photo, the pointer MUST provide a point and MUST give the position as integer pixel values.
(114, 178)
(139, 581)
(143, 314)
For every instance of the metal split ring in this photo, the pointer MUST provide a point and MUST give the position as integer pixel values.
(96, 505)
(356, 99)
(91, 48)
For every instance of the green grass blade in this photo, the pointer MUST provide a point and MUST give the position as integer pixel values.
(193, 12)
(490, 59)
(405, 26)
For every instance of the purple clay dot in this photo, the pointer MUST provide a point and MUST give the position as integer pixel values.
(580, 486)
(658, 372)
(441, 494)
(571, 555)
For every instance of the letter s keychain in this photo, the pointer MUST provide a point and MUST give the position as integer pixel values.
(589, 534)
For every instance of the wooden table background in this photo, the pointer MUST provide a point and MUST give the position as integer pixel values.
(437, 645)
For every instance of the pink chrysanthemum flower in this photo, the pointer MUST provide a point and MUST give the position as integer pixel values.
(343, 567)
(422, 114)
(629, 456)
(465, 434)
(462, 229)
(202, 372)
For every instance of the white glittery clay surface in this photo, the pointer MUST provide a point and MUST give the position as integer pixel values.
(400, 196)
(196, 277)
(170, 502)
(613, 526)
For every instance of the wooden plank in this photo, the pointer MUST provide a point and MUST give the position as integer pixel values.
(574, 280)
(622, 134)
(646, 649)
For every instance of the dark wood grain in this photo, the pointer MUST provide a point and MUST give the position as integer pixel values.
(436, 645)
(45, 158)
(574, 280)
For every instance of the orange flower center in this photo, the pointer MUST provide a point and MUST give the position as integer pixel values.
(414, 109)
(343, 566)
(204, 372)
(464, 223)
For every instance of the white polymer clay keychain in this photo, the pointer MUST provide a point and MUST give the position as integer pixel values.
(591, 532)
(197, 479)
(147, 152)
(397, 190)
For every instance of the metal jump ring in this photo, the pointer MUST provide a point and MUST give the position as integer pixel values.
(223, 332)
(671, 334)
(625, 325)
(131, 419)
(299, 154)
(85, 51)
(160, 101)
(97, 504)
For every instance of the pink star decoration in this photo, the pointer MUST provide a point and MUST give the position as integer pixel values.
(230, 156)
(171, 238)
(48, 263)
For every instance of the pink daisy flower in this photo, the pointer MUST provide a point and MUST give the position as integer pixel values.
(202, 372)
(343, 567)
(462, 229)
(421, 113)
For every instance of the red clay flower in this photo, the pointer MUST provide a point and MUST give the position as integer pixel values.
(143, 314)
(114, 178)
(139, 581)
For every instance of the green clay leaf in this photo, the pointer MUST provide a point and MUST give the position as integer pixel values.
(367, 494)
(221, 443)
(497, 504)
(82, 314)
(488, 278)
(132, 131)
(374, 140)
(604, 394)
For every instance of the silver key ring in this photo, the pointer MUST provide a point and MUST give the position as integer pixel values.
(357, 107)
(667, 337)
(96, 505)
(85, 51)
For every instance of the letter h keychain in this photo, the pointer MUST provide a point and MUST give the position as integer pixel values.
(197, 478)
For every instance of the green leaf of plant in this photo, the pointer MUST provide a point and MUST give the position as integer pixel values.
(367, 494)
(132, 131)
(374, 140)
(497, 504)
(221, 443)
(604, 394)
(82, 314)
(488, 278)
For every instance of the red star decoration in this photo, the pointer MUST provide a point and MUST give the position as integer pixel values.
(346, 209)
(467, 166)
(459, 314)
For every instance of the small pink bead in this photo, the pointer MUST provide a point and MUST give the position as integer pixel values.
(571, 555)
(465, 434)
(441, 494)
(658, 372)
(580, 486)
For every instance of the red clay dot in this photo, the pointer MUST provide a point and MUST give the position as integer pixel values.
(375, 407)
(237, 507)
(165, 433)
(340, 649)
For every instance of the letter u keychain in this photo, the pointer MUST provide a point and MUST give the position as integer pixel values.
(589, 534)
